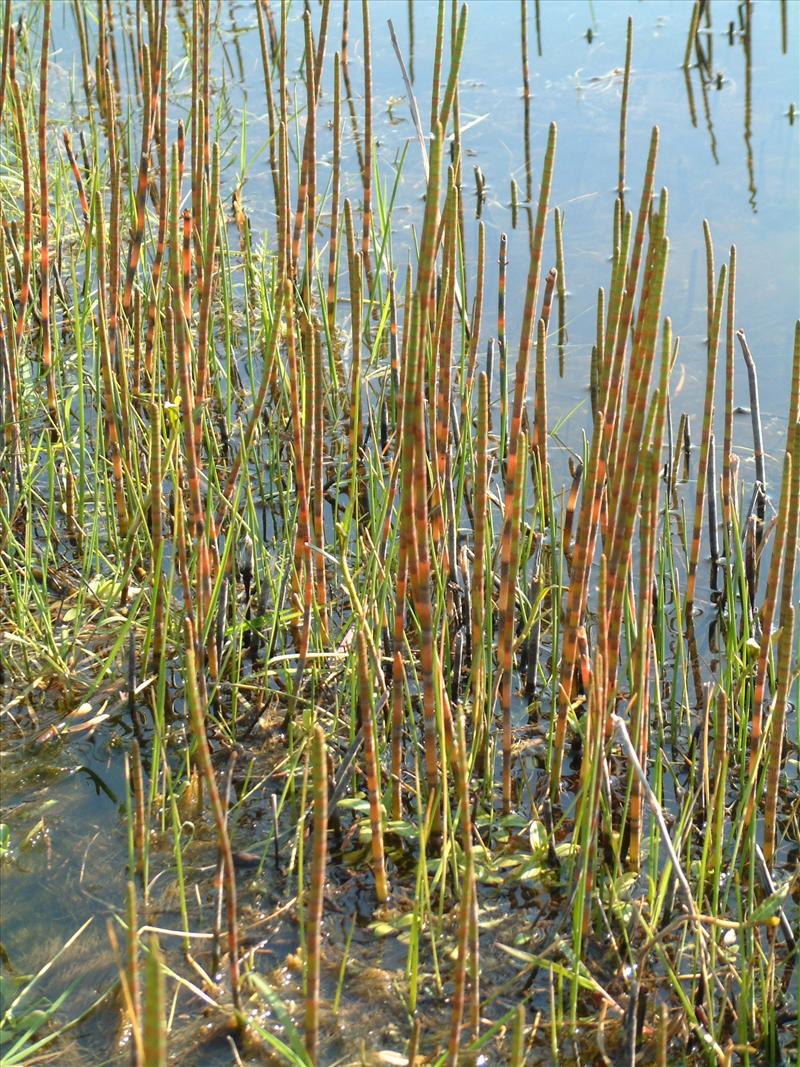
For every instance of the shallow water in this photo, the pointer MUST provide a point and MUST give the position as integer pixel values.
(729, 153)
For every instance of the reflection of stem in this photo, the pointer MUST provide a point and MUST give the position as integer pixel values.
(713, 538)
(526, 103)
(538, 29)
(691, 39)
(784, 31)
(704, 83)
(412, 100)
(705, 66)
(562, 332)
(624, 738)
(694, 662)
(703, 60)
(748, 103)
(758, 436)
(709, 38)
(236, 45)
(562, 290)
(529, 212)
(348, 87)
(687, 77)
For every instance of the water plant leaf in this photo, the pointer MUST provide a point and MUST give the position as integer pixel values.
(295, 1051)
(769, 908)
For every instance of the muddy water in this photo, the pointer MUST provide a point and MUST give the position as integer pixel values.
(729, 153)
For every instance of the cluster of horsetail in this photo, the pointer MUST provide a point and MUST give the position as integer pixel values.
(293, 513)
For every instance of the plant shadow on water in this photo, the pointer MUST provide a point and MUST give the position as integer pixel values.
(398, 653)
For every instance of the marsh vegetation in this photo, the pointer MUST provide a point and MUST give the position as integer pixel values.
(394, 667)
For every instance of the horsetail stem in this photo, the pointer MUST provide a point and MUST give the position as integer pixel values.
(266, 63)
(561, 274)
(347, 84)
(414, 500)
(155, 277)
(108, 375)
(509, 546)
(203, 757)
(501, 342)
(755, 415)
(630, 422)
(457, 49)
(792, 520)
(540, 407)
(372, 771)
(154, 1038)
(623, 111)
(132, 972)
(76, 174)
(319, 764)
(477, 314)
(727, 443)
(318, 482)
(333, 243)
(23, 296)
(702, 467)
(44, 226)
(777, 729)
(631, 469)
(612, 386)
(197, 123)
(437, 64)
(302, 189)
(767, 616)
(134, 252)
(206, 293)
(7, 32)
(464, 920)
(156, 478)
(588, 520)
(366, 170)
(302, 543)
(443, 350)
(478, 683)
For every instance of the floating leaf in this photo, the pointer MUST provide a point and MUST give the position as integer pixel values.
(769, 908)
